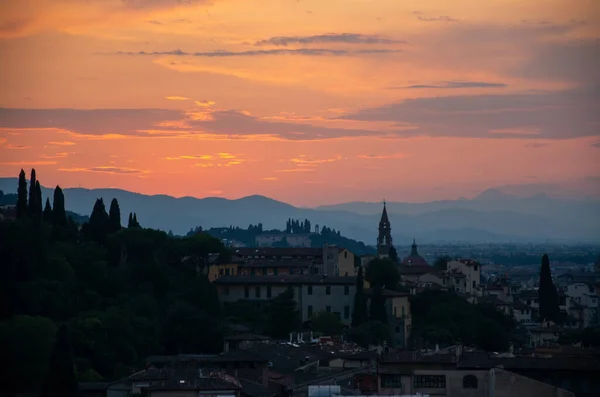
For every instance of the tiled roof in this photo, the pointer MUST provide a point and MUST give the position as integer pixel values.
(275, 251)
(287, 279)
(415, 270)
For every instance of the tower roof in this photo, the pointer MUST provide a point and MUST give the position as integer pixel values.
(413, 248)
(384, 215)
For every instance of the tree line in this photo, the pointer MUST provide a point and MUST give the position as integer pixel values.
(89, 302)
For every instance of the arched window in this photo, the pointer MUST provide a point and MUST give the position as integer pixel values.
(470, 382)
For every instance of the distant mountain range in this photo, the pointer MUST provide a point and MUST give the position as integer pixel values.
(492, 217)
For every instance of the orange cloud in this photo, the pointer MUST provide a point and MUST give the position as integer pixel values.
(382, 156)
(177, 98)
(107, 170)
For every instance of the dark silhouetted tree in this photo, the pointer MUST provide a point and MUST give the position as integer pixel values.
(547, 294)
(32, 180)
(22, 196)
(393, 255)
(360, 314)
(282, 315)
(377, 309)
(383, 272)
(47, 215)
(135, 221)
(59, 215)
(99, 225)
(60, 379)
(114, 215)
(35, 208)
(441, 262)
(130, 220)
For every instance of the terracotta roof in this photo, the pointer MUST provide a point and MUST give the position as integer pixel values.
(275, 251)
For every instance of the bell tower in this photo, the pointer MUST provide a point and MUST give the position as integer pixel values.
(384, 239)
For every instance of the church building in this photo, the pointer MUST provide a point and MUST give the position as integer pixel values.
(384, 239)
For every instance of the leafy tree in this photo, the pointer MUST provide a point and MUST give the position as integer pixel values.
(547, 293)
(59, 215)
(394, 255)
(370, 333)
(327, 323)
(377, 309)
(383, 272)
(441, 262)
(114, 215)
(60, 379)
(47, 214)
(26, 346)
(359, 312)
(22, 195)
(282, 315)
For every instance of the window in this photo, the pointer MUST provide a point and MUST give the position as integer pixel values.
(391, 381)
(473, 283)
(346, 290)
(264, 271)
(346, 312)
(246, 292)
(221, 272)
(253, 272)
(397, 329)
(226, 290)
(429, 382)
(328, 309)
(345, 254)
(227, 272)
(310, 289)
(257, 292)
(403, 314)
(291, 270)
(268, 291)
(470, 382)
(309, 311)
(275, 271)
(328, 290)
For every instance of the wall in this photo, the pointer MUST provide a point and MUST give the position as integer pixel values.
(508, 384)
(346, 263)
(214, 271)
(169, 393)
(319, 300)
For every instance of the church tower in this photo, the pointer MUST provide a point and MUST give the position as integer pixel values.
(384, 240)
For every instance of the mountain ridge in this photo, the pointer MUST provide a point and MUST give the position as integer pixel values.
(489, 217)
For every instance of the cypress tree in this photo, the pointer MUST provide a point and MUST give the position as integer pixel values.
(377, 309)
(99, 223)
(547, 293)
(135, 221)
(114, 215)
(22, 195)
(359, 313)
(36, 207)
(47, 215)
(59, 215)
(60, 379)
(130, 221)
(32, 181)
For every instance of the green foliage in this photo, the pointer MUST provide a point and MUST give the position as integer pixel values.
(329, 324)
(114, 216)
(282, 315)
(441, 262)
(47, 214)
(445, 318)
(26, 346)
(58, 210)
(359, 312)
(587, 337)
(383, 272)
(140, 292)
(370, 333)
(60, 378)
(547, 293)
(98, 227)
(22, 195)
(394, 255)
(377, 309)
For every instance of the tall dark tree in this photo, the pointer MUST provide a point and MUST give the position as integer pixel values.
(114, 216)
(135, 221)
(359, 313)
(441, 262)
(32, 200)
(47, 214)
(99, 225)
(35, 208)
(22, 196)
(130, 220)
(393, 254)
(547, 293)
(377, 308)
(60, 379)
(282, 315)
(59, 215)
(383, 272)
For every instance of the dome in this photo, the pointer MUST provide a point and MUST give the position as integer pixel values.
(414, 259)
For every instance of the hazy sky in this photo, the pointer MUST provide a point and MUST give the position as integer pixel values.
(307, 101)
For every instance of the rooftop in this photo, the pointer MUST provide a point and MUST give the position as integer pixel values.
(287, 279)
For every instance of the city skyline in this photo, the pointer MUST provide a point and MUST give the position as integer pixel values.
(308, 103)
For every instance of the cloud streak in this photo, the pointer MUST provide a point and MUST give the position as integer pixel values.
(455, 84)
(328, 38)
(253, 53)
(106, 170)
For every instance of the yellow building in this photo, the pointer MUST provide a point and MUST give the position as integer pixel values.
(217, 270)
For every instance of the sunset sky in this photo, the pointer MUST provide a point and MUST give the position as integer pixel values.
(306, 101)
